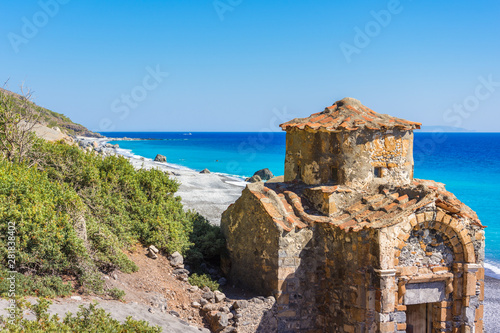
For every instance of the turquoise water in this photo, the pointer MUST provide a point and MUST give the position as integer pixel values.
(468, 163)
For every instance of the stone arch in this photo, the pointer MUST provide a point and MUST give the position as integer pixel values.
(457, 285)
(456, 232)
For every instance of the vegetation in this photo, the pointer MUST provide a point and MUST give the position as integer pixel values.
(66, 215)
(116, 293)
(202, 281)
(45, 116)
(88, 319)
(17, 122)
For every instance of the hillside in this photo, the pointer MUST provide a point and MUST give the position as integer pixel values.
(53, 119)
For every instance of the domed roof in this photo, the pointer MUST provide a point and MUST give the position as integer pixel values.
(349, 114)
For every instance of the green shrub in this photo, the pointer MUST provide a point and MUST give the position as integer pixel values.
(208, 242)
(87, 319)
(75, 212)
(46, 242)
(116, 293)
(133, 205)
(202, 281)
(43, 286)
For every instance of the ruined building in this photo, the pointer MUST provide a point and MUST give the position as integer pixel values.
(350, 241)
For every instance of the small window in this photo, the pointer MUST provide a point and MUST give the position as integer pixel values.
(299, 175)
(377, 171)
(334, 175)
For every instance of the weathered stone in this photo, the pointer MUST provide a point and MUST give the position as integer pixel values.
(208, 295)
(254, 179)
(210, 307)
(240, 304)
(205, 171)
(264, 174)
(217, 320)
(152, 254)
(180, 271)
(176, 259)
(429, 292)
(160, 158)
(219, 297)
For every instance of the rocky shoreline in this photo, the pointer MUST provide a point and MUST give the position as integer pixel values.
(207, 193)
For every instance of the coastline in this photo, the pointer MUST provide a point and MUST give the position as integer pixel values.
(207, 193)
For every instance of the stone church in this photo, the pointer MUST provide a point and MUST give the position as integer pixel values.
(349, 241)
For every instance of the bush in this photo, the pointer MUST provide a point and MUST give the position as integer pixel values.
(133, 205)
(46, 242)
(116, 293)
(208, 242)
(202, 281)
(76, 212)
(43, 286)
(87, 319)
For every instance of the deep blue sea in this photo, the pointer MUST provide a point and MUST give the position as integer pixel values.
(468, 163)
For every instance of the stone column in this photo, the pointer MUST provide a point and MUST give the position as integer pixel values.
(385, 299)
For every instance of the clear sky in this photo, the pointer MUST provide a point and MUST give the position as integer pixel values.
(242, 65)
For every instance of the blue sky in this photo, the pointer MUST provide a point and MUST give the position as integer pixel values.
(241, 65)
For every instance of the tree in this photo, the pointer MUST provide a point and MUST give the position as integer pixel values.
(17, 121)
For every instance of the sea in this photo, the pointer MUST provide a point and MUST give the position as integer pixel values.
(468, 163)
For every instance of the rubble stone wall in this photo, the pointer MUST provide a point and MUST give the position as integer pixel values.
(327, 278)
(349, 158)
(253, 241)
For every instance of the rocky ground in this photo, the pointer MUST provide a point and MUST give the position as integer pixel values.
(159, 292)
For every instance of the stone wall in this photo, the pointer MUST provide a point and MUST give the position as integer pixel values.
(349, 158)
(326, 277)
(252, 240)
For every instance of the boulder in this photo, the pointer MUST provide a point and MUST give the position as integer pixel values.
(264, 174)
(217, 320)
(176, 260)
(160, 158)
(205, 171)
(152, 252)
(254, 179)
(219, 297)
(240, 304)
(208, 295)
